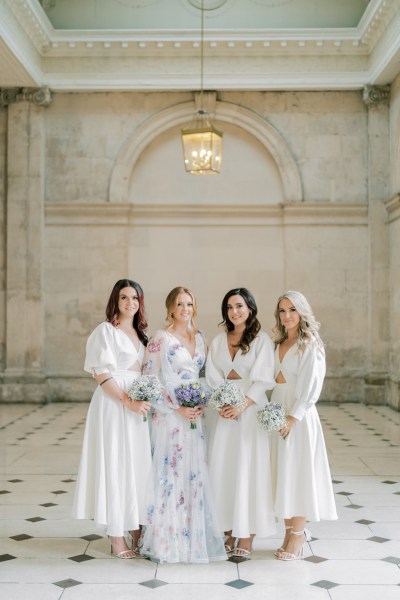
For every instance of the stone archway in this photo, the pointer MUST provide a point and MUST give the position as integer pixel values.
(180, 114)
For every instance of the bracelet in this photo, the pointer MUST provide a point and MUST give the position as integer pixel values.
(105, 381)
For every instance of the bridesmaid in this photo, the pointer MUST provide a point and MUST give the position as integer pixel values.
(181, 525)
(116, 456)
(239, 450)
(303, 481)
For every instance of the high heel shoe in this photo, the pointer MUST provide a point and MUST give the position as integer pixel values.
(244, 553)
(287, 556)
(282, 549)
(124, 554)
(229, 548)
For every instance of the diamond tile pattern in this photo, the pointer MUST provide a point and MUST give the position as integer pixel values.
(41, 543)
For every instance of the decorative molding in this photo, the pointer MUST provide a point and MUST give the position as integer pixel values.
(39, 96)
(180, 114)
(164, 215)
(376, 94)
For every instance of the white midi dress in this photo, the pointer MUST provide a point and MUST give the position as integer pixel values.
(301, 474)
(239, 450)
(181, 521)
(115, 464)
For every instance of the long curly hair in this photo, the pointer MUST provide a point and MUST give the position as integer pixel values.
(139, 319)
(308, 326)
(252, 324)
(170, 304)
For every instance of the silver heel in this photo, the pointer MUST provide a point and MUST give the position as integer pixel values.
(287, 556)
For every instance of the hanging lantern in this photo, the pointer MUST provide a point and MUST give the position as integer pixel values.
(202, 146)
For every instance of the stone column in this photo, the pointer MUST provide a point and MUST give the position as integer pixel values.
(376, 99)
(24, 378)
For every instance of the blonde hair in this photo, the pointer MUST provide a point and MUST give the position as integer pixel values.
(308, 326)
(170, 303)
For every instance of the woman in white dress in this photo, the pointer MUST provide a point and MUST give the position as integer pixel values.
(181, 524)
(239, 450)
(302, 476)
(116, 455)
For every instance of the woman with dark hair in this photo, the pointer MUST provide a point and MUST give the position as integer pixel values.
(239, 450)
(181, 523)
(116, 456)
(302, 479)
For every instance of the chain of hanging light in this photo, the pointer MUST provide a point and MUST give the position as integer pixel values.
(202, 142)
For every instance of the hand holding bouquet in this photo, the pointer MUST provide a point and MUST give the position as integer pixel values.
(272, 417)
(228, 394)
(191, 394)
(146, 388)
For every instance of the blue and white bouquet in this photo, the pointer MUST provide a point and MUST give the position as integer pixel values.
(146, 387)
(272, 417)
(191, 394)
(228, 394)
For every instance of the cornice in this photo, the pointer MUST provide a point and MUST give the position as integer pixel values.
(162, 215)
(330, 58)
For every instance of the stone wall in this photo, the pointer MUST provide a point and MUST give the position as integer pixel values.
(290, 210)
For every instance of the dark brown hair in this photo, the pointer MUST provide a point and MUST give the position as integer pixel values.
(140, 319)
(252, 324)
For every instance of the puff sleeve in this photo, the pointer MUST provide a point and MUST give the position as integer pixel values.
(310, 380)
(100, 351)
(262, 371)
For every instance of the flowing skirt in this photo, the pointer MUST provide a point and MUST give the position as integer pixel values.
(240, 474)
(115, 463)
(181, 522)
(301, 475)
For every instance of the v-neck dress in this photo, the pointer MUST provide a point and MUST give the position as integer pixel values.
(116, 455)
(239, 450)
(181, 523)
(301, 475)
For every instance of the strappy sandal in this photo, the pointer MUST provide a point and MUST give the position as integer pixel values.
(242, 553)
(282, 549)
(228, 548)
(288, 556)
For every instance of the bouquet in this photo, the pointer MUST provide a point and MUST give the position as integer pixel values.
(228, 393)
(272, 417)
(145, 387)
(191, 394)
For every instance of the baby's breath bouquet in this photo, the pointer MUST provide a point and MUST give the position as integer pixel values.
(272, 417)
(191, 394)
(145, 387)
(228, 394)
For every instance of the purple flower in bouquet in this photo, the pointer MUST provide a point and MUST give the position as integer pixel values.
(191, 394)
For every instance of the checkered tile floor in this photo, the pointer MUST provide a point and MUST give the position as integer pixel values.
(45, 555)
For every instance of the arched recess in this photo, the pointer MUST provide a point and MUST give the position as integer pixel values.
(180, 114)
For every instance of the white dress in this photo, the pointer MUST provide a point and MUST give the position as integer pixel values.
(181, 525)
(239, 449)
(116, 456)
(302, 479)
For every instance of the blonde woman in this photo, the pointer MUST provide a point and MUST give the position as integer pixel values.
(302, 477)
(181, 524)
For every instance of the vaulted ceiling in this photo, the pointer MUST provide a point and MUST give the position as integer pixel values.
(155, 44)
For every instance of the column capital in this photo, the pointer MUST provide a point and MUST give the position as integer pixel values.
(376, 94)
(39, 96)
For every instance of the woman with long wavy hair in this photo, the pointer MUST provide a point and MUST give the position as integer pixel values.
(116, 456)
(181, 523)
(303, 488)
(239, 450)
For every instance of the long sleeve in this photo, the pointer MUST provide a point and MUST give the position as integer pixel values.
(262, 371)
(155, 363)
(310, 380)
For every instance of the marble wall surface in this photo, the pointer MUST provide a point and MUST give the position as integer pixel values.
(95, 190)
